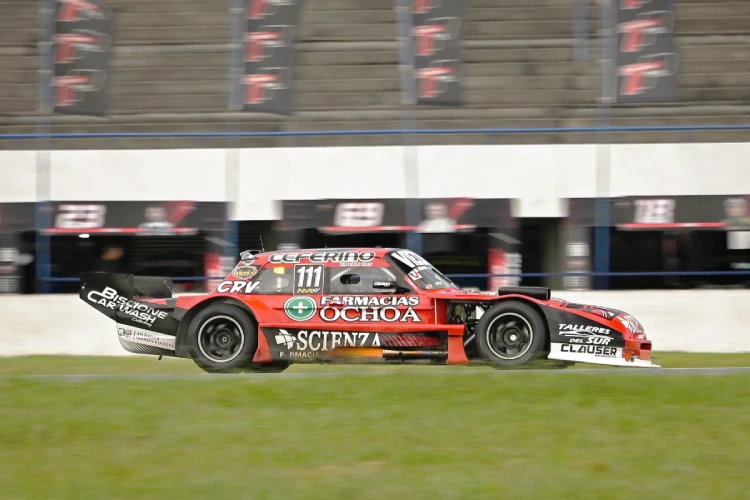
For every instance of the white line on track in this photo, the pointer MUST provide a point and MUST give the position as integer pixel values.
(312, 375)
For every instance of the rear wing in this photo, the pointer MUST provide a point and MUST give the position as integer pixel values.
(135, 303)
(127, 285)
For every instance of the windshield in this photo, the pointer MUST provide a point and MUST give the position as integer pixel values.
(421, 272)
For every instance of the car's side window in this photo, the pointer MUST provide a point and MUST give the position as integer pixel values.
(275, 280)
(362, 280)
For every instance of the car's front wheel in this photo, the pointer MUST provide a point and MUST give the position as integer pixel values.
(222, 339)
(510, 333)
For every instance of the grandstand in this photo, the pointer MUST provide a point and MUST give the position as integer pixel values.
(171, 65)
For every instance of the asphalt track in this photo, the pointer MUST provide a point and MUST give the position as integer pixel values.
(499, 373)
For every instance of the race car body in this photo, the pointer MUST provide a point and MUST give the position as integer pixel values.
(359, 304)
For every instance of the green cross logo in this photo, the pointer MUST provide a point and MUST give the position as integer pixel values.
(300, 308)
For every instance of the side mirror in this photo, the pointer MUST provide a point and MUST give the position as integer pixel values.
(384, 285)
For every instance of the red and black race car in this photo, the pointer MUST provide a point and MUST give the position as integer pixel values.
(358, 304)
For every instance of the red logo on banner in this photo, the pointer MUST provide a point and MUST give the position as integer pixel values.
(71, 10)
(633, 4)
(642, 31)
(434, 79)
(69, 86)
(643, 74)
(68, 44)
(259, 9)
(424, 6)
(431, 35)
(261, 86)
(270, 36)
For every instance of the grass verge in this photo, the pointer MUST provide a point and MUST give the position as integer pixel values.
(426, 435)
(77, 365)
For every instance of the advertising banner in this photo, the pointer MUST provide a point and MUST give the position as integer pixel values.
(438, 215)
(158, 218)
(647, 61)
(268, 57)
(81, 52)
(437, 33)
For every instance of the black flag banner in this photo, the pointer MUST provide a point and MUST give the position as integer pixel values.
(81, 52)
(647, 60)
(268, 55)
(437, 32)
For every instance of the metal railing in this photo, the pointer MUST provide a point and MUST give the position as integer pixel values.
(371, 132)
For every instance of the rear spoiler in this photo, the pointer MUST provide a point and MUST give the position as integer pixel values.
(535, 292)
(127, 285)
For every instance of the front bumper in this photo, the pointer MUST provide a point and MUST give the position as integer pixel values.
(635, 354)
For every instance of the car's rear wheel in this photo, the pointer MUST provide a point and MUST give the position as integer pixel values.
(222, 339)
(510, 333)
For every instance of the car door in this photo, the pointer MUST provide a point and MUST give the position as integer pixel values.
(373, 298)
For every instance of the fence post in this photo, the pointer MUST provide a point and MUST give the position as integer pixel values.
(408, 120)
(602, 219)
(232, 154)
(43, 258)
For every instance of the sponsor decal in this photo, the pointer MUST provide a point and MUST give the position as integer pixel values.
(414, 274)
(410, 258)
(596, 350)
(307, 344)
(630, 323)
(369, 309)
(300, 308)
(237, 286)
(146, 337)
(245, 272)
(309, 278)
(349, 258)
(138, 311)
(369, 301)
(565, 327)
(586, 338)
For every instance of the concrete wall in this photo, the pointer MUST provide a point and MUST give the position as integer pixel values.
(696, 321)
(540, 177)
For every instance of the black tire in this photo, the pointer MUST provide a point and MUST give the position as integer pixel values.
(222, 339)
(511, 333)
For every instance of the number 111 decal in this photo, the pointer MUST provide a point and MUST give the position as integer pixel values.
(308, 279)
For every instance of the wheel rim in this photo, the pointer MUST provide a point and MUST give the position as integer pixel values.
(509, 336)
(221, 339)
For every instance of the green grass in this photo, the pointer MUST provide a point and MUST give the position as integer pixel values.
(76, 365)
(406, 433)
